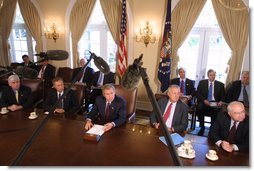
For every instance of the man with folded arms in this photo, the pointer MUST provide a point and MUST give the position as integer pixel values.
(109, 109)
(68, 104)
(174, 111)
(16, 96)
(230, 131)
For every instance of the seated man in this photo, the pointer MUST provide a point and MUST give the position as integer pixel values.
(68, 104)
(186, 85)
(239, 90)
(175, 112)
(16, 96)
(87, 75)
(28, 63)
(46, 72)
(231, 129)
(210, 96)
(110, 109)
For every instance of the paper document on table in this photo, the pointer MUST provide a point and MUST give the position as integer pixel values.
(176, 138)
(96, 130)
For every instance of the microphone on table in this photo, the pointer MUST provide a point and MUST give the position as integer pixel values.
(130, 80)
(132, 74)
(57, 55)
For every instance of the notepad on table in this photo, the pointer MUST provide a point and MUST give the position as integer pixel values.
(95, 133)
(176, 138)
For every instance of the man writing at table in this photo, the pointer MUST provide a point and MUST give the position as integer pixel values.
(109, 108)
(175, 112)
(16, 96)
(231, 129)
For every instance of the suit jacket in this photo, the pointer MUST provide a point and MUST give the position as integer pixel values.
(70, 101)
(220, 130)
(117, 112)
(49, 72)
(9, 98)
(219, 91)
(88, 76)
(180, 118)
(30, 65)
(109, 78)
(233, 91)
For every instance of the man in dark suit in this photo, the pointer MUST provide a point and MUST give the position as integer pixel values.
(109, 108)
(87, 76)
(235, 91)
(186, 85)
(68, 104)
(46, 72)
(231, 129)
(16, 96)
(210, 96)
(177, 121)
(28, 63)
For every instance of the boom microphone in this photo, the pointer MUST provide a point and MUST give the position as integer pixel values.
(26, 72)
(57, 55)
(132, 74)
(100, 63)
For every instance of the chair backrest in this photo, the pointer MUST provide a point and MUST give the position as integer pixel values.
(79, 89)
(36, 86)
(66, 73)
(131, 97)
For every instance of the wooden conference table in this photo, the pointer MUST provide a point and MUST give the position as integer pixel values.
(60, 143)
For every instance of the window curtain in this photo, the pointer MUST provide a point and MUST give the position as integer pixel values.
(184, 17)
(234, 25)
(32, 21)
(112, 11)
(80, 14)
(7, 17)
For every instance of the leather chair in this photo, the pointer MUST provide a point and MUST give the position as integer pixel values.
(66, 73)
(79, 89)
(131, 98)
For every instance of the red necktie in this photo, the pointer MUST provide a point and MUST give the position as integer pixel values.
(167, 113)
(107, 109)
(232, 132)
(42, 71)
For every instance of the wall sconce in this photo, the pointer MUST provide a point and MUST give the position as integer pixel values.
(52, 32)
(145, 35)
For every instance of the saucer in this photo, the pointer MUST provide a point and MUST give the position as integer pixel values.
(4, 112)
(213, 159)
(32, 117)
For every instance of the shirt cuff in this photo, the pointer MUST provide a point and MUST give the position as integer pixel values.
(218, 143)
(113, 123)
(235, 147)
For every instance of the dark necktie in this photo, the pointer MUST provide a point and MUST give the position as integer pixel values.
(60, 104)
(232, 132)
(167, 113)
(42, 71)
(245, 97)
(107, 110)
(182, 87)
(210, 92)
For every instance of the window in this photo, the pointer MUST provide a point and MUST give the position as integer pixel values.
(98, 39)
(205, 48)
(20, 39)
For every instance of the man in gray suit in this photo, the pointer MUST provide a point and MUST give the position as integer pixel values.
(175, 112)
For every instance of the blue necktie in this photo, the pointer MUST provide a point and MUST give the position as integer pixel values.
(210, 92)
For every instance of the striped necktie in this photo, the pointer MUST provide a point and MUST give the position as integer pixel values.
(17, 96)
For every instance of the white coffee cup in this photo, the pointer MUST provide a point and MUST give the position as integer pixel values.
(181, 151)
(212, 153)
(187, 143)
(4, 109)
(191, 152)
(33, 114)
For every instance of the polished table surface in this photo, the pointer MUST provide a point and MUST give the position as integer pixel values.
(61, 143)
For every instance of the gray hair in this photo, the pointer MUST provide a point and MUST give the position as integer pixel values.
(13, 78)
(234, 103)
(107, 87)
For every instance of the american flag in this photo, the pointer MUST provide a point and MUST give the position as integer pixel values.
(164, 69)
(122, 50)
